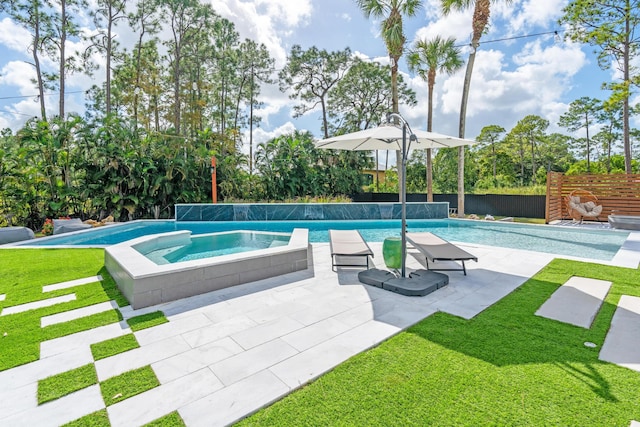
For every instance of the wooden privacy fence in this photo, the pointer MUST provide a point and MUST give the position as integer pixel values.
(617, 193)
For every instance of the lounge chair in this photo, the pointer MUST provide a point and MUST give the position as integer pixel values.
(436, 249)
(348, 243)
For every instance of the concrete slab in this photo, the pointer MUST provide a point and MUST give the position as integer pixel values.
(78, 313)
(576, 302)
(81, 340)
(3, 297)
(232, 403)
(60, 411)
(172, 328)
(160, 401)
(139, 357)
(621, 343)
(245, 364)
(37, 304)
(71, 283)
(193, 360)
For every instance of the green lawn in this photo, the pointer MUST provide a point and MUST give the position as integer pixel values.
(23, 274)
(504, 367)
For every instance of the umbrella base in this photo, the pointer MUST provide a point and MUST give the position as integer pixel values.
(421, 282)
(375, 277)
(441, 279)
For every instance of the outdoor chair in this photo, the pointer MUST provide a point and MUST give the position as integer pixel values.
(583, 204)
(436, 249)
(348, 244)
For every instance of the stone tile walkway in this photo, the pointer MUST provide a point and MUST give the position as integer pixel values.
(71, 283)
(226, 354)
(37, 304)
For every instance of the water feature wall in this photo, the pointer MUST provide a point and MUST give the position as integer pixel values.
(308, 211)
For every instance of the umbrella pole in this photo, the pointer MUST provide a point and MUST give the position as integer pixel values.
(403, 193)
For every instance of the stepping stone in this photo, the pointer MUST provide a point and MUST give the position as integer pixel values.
(416, 286)
(77, 313)
(576, 302)
(621, 343)
(375, 277)
(71, 283)
(3, 297)
(37, 304)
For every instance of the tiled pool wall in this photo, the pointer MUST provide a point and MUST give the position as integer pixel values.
(308, 211)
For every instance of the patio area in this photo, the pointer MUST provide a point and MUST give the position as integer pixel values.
(228, 353)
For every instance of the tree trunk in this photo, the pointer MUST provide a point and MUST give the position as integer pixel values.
(63, 42)
(108, 65)
(395, 107)
(625, 105)
(461, 128)
(429, 164)
(36, 61)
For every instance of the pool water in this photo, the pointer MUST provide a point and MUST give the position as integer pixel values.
(580, 242)
(216, 245)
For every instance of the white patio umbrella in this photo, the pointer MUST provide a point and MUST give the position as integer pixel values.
(393, 137)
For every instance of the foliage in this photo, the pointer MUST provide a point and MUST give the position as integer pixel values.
(611, 26)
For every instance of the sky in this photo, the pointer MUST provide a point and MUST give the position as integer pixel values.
(538, 75)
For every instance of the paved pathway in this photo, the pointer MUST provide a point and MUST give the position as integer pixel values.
(226, 354)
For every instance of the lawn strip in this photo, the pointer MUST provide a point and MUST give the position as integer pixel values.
(96, 419)
(130, 383)
(114, 346)
(170, 420)
(506, 366)
(148, 320)
(23, 282)
(57, 386)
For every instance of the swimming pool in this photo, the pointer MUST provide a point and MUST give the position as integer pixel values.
(595, 244)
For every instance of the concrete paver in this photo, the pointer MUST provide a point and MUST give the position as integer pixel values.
(621, 345)
(71, 283)
(576, 302)
(78, 313)
(37, 304)
(81, 340)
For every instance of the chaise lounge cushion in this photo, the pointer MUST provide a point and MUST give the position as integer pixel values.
(15, 234)
(68, 225)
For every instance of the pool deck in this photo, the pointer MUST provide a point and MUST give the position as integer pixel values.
(228, 353)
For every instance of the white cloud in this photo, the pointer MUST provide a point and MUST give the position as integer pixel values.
(261, 135)
(14, 36)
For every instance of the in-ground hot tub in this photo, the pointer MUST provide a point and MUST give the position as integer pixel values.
(165, 267)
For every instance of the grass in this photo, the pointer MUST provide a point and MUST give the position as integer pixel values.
(128, 384)
(148, 320)
(171, 420)
(22, 282)
(114, 346)
(504, 367)
(56, 386)
(95, 419)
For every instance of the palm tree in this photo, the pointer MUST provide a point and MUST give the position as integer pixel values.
(392, 32)
(481, 13)
(427, 58)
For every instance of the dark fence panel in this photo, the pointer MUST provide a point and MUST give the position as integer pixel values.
(479, 204)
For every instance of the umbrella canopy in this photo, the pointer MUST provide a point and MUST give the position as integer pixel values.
(393, 137)
(389, 137)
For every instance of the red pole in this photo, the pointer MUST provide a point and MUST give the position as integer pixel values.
(214, 192)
